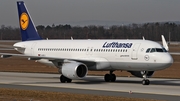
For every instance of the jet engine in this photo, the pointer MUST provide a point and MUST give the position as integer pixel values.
(141, 73)
(74, 70)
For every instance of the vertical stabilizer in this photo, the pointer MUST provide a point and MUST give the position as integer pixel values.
(28, 30)
(164, 43)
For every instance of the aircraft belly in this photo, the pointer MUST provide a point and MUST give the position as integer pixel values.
(138, 66)
(100, 66)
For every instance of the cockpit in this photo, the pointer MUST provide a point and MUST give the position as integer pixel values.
(151, 50)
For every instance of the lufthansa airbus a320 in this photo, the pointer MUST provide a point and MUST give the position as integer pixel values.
(76, 57)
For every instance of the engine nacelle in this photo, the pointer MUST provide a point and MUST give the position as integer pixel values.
(74, 70)
(140, 73)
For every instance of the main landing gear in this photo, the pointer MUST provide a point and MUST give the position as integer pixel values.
(64, 79)
(145, 81)
(110, 77)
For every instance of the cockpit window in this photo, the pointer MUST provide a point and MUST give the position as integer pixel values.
(147, 51)
(164, 50)
(151, 50)
(159, 50)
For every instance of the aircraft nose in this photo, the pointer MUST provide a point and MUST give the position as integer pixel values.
(167, 60)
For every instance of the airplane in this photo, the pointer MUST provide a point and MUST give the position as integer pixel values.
(76, 57)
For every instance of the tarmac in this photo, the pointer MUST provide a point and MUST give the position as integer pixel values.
(159, 89)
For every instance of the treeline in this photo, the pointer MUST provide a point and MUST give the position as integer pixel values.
(151, 31)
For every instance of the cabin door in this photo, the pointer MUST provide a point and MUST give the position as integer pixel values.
(33, 48)
(90, 51)
(134, 54)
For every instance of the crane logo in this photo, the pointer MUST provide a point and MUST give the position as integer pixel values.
(24, 21)
(146, 57)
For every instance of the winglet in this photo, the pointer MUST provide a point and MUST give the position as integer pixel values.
(164, 43)
(28, 30)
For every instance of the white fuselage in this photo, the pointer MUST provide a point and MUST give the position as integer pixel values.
(129, 55)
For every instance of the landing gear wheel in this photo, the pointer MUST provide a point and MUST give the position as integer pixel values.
(69, 80)
(113, 78)
(145, 82)
(110, 77)
(107, 77)
(64, 79)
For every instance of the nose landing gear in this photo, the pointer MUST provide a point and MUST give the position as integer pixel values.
(145, 81)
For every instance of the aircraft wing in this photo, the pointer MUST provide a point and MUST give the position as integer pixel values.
(174, 53)
(87, 61)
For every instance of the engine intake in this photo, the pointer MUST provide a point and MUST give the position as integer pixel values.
(81, 70)
(74, 70)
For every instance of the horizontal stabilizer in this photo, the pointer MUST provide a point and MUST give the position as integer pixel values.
(31, 58)
(5, 56)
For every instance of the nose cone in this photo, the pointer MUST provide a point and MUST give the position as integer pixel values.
(166, 60)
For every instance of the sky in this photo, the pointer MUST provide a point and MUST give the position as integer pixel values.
(48, 12)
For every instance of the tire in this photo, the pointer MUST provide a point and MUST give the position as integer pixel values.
(145, 82)
(62, 79)
(107, 77)
(69, 80)
(113, 78)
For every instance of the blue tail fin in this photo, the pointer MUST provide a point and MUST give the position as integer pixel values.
(28, 30)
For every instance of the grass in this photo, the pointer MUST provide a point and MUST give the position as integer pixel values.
(31, 95)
